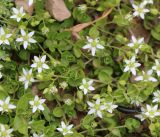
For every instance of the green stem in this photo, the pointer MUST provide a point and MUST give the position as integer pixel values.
(102, 129)
(116, 48)
(88, 61)
(59, 76)
(45, 52)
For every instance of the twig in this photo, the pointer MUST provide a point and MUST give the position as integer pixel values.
(82, 26)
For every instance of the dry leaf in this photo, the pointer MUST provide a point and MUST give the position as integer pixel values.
(57, 9)
(79, 27)
(24, 4)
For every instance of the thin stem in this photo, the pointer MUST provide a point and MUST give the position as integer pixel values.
(106, 32)
(102, 129)
(45, 52)
(88, 61)
(59, 76)
(116, 48)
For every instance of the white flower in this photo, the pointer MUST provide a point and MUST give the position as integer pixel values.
(86, 86)
(37, 135)
(142, 117)
(18, 14)
(65, 129)
(39, 63)
(146, 76)
(26, 38)
(152, 112)
(140, 10)
(4, 37)
(5, 106)
(157, 67)
(136, 43)
(37, 104)
(26, 78)
(93, 45)
(131, 65)
(110, 107)
(145, 2)
(148, 112)
(30, 2)
(156, 96)
(5, 131)
(96, 108)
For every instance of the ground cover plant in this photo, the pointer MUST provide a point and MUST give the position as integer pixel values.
(91, 72)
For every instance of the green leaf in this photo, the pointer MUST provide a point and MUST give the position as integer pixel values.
(38, 126)
(58, 112)
(4, 119)
(155, 32)
(112, 3)
(132, 124)
(50, 44)
(105, 74)
(132, 90)
(3, 93)
(23, 54)
(39, 6)
(75, 135)
(23, 103)
(43, 85)
(77, 52)
(111, 122)
(93, 32)
(108, 3)
(46, 113)
(120, 20)
(21, 125)
(116, 132)
(87, 121)
(81, 17)
(75, 75)
(119, 95)
(154, 128)
(69, 110)
(50, 130)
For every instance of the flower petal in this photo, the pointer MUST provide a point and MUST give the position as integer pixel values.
(45, 66)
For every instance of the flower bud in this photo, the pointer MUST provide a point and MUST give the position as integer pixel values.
(63, 85)
(154, 11)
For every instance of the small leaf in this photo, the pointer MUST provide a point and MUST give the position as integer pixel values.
(116, 132)
(23, 104)
(93, 32)
(87, 121)
(37, 126)
(4, 119)
(21, 124)
(58, 112)
(77, 52)
(132, 124)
